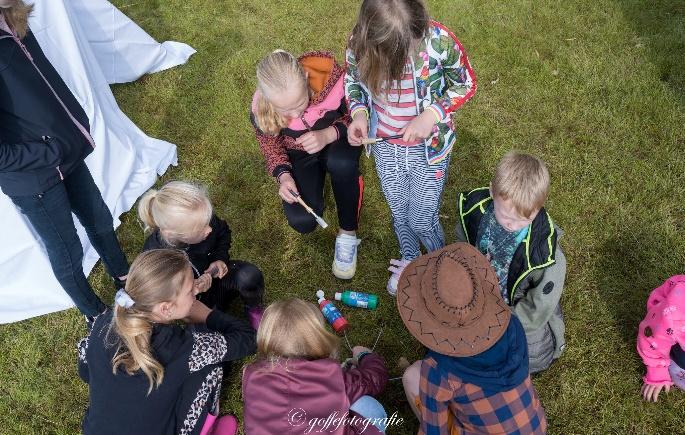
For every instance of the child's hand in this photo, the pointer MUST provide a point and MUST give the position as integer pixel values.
(217, 269)
(359, 349)
(358, 129)
(650, 392)
(203, 283)
(287, 185)
(420, 128)
(315, 141)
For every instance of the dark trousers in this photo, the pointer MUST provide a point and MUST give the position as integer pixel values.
(50, 214)
(341, 161)
(243, 279)
(678, 355)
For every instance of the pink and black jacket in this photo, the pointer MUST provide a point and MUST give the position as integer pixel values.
(326, 108)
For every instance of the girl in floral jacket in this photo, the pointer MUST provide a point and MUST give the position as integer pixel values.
(406, 74)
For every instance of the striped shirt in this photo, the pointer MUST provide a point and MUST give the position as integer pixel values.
(396, 109)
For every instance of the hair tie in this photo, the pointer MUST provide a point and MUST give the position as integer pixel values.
(123, 299)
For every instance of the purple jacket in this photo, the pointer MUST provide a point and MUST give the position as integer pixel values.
(287, 397)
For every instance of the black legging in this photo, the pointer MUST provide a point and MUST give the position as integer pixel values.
(243, 278)
(339, 159)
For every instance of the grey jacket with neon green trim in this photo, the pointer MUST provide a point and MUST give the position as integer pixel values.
(536, 277)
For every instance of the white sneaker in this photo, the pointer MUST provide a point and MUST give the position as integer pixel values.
(397, 267)
(345, 258)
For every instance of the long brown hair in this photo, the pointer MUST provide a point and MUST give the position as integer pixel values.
(156, 276)
(17, 17)
(382, 37)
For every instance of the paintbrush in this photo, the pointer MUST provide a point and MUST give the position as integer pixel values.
(370, 140)
(319, 219)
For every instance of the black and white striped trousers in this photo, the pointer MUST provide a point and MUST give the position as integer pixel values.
(413, 189)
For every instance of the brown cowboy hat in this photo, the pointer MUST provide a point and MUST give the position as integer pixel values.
(450, 301)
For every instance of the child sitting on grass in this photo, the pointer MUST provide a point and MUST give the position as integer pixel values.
(297, 367)
(146, 374)
(509, 225)
(474, 378)
(661, 337)
(179, 215)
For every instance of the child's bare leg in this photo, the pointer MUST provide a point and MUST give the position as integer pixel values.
(410, 381)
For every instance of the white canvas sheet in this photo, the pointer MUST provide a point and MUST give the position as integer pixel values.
(91, 44)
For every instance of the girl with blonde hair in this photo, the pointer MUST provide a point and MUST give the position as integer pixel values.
(148, 375)
(44, 139)
(297, 367)
(180, 215)
(406, 75)
(300, 119)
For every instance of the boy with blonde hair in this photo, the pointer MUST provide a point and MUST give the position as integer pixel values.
(508, 224)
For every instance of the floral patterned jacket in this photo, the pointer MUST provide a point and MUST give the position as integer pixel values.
(444, 81)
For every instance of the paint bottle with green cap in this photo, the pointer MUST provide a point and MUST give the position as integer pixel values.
(357, 299)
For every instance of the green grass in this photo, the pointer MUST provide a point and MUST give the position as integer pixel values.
(597, 89)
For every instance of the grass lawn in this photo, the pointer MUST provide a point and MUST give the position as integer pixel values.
(595, 88)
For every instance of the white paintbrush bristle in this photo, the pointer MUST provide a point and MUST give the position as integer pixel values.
(321, 222)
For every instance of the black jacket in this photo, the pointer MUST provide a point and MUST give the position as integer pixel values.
(38, 139)
(214, 247)
(192, 357)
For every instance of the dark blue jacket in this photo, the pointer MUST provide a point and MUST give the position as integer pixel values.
(38, 139)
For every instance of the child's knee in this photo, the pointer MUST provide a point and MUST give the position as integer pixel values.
(421, 228)
(303, 223)
(411, 378)
(250, 278)
(342, 168)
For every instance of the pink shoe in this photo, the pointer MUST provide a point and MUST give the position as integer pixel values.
(254, 315)
(226, 425)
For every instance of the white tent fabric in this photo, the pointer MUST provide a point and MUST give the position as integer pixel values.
(91, 44)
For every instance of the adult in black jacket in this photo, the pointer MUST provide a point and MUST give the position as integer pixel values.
(44, 139)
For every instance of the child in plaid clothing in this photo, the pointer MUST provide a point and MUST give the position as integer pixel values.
(474, 378)
(449, 404)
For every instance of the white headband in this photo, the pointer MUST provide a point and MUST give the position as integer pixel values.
(123, 299)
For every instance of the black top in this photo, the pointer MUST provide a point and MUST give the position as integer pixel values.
(36, 133)
(191, 356)
(214, 247)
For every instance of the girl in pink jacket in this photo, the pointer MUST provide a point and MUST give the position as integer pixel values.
(661, 337)
(297, 386)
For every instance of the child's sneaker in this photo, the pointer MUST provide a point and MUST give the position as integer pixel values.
(254, 315)
(345, 258)
(397, 266)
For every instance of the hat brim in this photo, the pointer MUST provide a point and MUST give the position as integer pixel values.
(436, 333)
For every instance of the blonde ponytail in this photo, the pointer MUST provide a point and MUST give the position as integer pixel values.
(276, 73)
(145, 210)
(178, 208)
(155, 276)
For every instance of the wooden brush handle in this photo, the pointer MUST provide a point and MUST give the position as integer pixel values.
(304, 204)
(370, 140)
